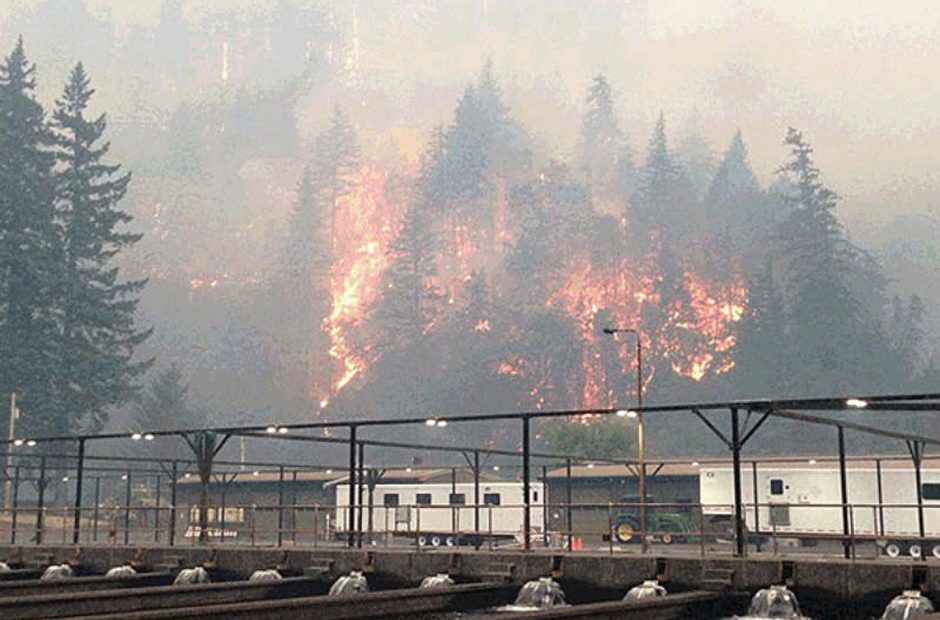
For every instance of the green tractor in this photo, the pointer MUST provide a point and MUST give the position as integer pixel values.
(665, 525)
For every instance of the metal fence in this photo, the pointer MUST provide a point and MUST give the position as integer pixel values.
(875, 530)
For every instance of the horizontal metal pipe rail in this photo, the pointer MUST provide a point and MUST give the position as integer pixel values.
(382, 604)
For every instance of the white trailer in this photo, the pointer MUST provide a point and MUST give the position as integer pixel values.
(443, 513)
(805, 501)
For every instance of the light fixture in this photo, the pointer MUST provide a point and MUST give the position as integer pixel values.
(430, 422)
(255, 473)
(283, 430)
(441, 423)
(590, 465)
(271, 429)
(856, 403)
(329, 471)
(124, 477)
(812, 461)
(17, 442)
(31, 443)
(408, 469)
(626, 413)
(136, 436)
(65, 478)
(694, 463)
(186, 475)
(148, 437)
(495, 467)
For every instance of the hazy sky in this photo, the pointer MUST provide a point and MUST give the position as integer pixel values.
(859, 77)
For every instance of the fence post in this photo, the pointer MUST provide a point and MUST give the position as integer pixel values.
(41, 500)
(15, 505)
(127, 509)
(79, 479)
(94, 527)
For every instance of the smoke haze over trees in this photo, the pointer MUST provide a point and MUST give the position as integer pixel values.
(324, 234)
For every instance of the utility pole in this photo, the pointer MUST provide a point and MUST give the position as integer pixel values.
(11, 435)
(640, 438)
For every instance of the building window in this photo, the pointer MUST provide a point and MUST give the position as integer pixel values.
(458, 499)
(423, 499)
(930, 490)
(535, 496)
(491, 499)
(776, 486)
(390, 499)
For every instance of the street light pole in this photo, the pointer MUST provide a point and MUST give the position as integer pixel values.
(640, 443)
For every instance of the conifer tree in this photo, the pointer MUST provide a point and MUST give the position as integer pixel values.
(164, 405)
(408, 305)
(695, 153)
(335, 162)
(663, 200)
(762, 349)
(30, 250)
(837, 338)
(96, 307)
(600, 136)
(303, 292)
(737, 211)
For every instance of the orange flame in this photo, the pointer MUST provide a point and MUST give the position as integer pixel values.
(365, 224)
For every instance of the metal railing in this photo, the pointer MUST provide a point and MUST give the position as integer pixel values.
(868, 530)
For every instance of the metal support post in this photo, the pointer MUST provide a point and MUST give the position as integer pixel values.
(351, 516)
(739, 541)
(844, 495)
(79, 480)
(527, 501)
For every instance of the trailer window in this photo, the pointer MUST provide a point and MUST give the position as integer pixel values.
(423, 499)
(491, 499)
(390, 499)
(776, 486)
(535, 496)
(930, 490)
(458, 499)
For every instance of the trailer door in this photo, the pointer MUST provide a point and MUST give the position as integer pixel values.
(778, 499)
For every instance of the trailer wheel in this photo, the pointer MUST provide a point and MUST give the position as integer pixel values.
(667, 539)
(914, 551)
(892, 549)
(935, 551)
(624, 532)
(422, 541)
(435, 541)
(450, 541)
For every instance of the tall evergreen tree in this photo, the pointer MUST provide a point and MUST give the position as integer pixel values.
(837, 339)
(303, 294)
(762, 349)
(96, 307)
(695, 153)
(164, 405)
(409, 304)
(600, 136)
(335, 162)
(737, 211)
(30, 250)
(663, 200)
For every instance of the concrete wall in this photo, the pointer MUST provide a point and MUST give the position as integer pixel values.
(836, 578)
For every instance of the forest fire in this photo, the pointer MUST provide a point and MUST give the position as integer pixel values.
(366, 225)
(695, 337)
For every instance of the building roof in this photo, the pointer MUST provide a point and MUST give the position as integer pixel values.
(264, 476)
(328, 476)
(430, 475)
(691, 466)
